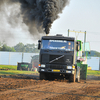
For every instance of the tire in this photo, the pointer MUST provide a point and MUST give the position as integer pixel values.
(52, 77)
(42, 76)
(28, 69)
(72, 77)
(49, 76)
(18, 68)
(67, 77)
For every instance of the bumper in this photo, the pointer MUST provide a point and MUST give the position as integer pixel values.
(60, 71)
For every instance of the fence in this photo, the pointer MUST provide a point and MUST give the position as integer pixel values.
(12, 58)
(94, 63)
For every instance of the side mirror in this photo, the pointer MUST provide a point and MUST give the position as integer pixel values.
(78, 46)
(39, 44)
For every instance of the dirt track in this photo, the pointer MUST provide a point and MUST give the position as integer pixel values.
(31, 88)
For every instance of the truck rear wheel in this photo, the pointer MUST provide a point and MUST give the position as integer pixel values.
(72, 77)
(42, 76)
(18, 68)
(28, 69)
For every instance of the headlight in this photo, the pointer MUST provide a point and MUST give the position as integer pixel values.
(68, 71)
(42, 65)
(42, 69)
(69, 67)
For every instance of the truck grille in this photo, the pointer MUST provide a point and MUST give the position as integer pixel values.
(61, 59)
(57, 59)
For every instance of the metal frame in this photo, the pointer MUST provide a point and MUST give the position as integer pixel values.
(79, 32)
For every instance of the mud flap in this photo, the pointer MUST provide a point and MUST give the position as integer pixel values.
(83, 71)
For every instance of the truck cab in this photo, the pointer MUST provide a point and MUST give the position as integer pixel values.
(58, 57)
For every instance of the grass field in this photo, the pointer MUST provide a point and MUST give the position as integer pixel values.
(8, 67)
(93, 72)
(15, 72)
(12, 70)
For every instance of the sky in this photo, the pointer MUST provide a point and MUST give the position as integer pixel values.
(79, 15)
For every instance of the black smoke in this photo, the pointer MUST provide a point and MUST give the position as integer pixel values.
(39, 15)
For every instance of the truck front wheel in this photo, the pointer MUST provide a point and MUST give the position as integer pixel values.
(42, 76)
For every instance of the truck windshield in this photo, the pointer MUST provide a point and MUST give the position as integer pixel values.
(58, 44)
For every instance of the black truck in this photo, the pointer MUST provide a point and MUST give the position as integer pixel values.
(58, 58)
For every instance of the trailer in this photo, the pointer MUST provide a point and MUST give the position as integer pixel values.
(32, 66)
(24, 66)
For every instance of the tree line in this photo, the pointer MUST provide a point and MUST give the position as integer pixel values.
(32, 48)
(20, 47)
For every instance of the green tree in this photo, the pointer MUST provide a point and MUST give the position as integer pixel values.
(19, 47)
(30, 48)
(7, 48)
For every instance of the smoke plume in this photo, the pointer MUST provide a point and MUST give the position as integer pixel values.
(41, 13)
(38, 15)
